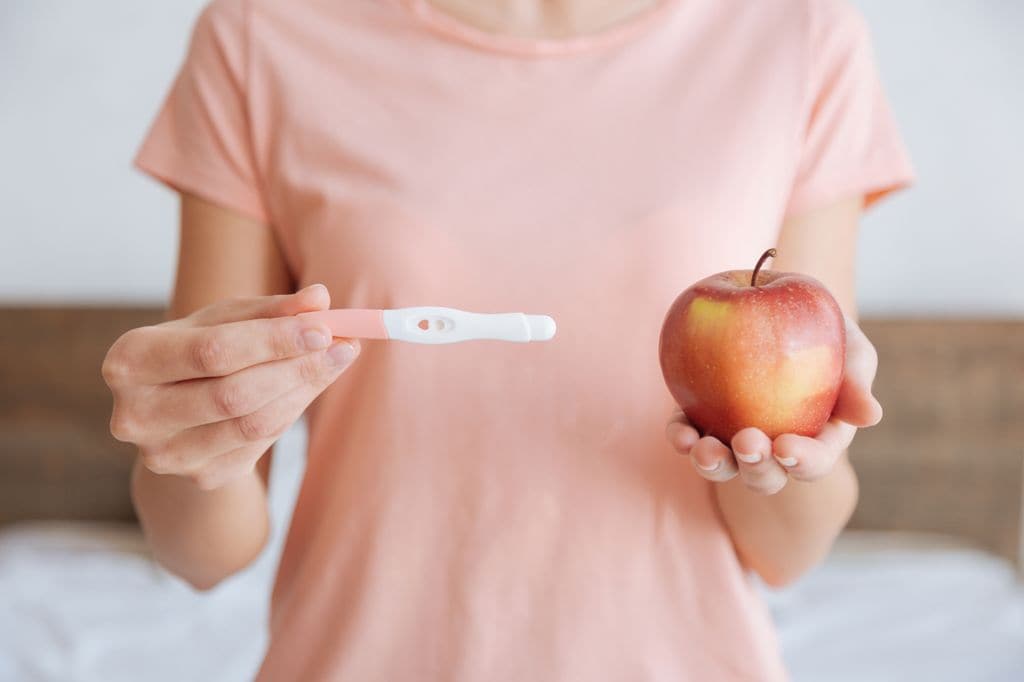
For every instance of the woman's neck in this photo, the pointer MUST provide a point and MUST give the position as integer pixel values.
(542, 19)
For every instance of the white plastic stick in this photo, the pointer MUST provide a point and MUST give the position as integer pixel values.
(431, 324)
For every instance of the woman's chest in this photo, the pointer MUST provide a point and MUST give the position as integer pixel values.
(495, 188)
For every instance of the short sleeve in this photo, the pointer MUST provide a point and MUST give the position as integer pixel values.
(850, 142)
(201, 142)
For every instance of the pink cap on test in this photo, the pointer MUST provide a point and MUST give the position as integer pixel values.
(354, 323)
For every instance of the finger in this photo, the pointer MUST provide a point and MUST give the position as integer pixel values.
(220, 470)
(311, 298)
(808, 459)
(855, 403)
(713, 460)
(751, 445)
(185, 404)
(680, 434)
(679, 415)
(165, 354)
(757, 468)
(189, 450)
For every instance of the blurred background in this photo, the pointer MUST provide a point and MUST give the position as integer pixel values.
(926, 583)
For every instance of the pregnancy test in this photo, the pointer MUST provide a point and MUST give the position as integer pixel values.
(432, 324)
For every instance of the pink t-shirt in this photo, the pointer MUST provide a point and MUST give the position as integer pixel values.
(489, 511)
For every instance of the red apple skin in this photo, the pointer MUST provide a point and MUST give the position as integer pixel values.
(770, 356)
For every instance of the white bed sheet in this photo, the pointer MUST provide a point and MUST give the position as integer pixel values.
(895, 607)
(84, 603)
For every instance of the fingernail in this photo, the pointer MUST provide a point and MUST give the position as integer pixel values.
(749, 459)
(314, 339)
(787, 461)
(341, 354)
(314, 286)
(709, 469)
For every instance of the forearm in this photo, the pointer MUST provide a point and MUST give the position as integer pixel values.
(201, 536)
(783, 535)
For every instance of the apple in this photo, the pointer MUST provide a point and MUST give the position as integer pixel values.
(750, 348)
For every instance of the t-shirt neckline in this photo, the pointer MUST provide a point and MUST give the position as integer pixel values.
(450, 26)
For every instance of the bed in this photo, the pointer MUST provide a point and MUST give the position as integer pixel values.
(925, 585)
(82, 601)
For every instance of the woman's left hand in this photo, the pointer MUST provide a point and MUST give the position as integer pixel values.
(765, 465)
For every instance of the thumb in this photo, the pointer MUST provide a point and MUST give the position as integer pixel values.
(312, 298)
(855, 404)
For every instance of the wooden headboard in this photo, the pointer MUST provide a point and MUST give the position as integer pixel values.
(949, 456)
(57, 459)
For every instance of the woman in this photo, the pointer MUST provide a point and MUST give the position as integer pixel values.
(487, 511)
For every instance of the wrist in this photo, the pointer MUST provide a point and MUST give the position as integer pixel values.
(143, 476)
(781, 536)
(149, 489)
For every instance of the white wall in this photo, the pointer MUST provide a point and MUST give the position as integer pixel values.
(954, 70)
(79, 82)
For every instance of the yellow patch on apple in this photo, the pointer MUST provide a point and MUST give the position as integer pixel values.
(803, 373)
(707, 315)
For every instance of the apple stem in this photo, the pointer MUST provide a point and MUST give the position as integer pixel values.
(770, 253)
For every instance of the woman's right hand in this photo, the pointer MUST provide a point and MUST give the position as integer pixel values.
(204, 397)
